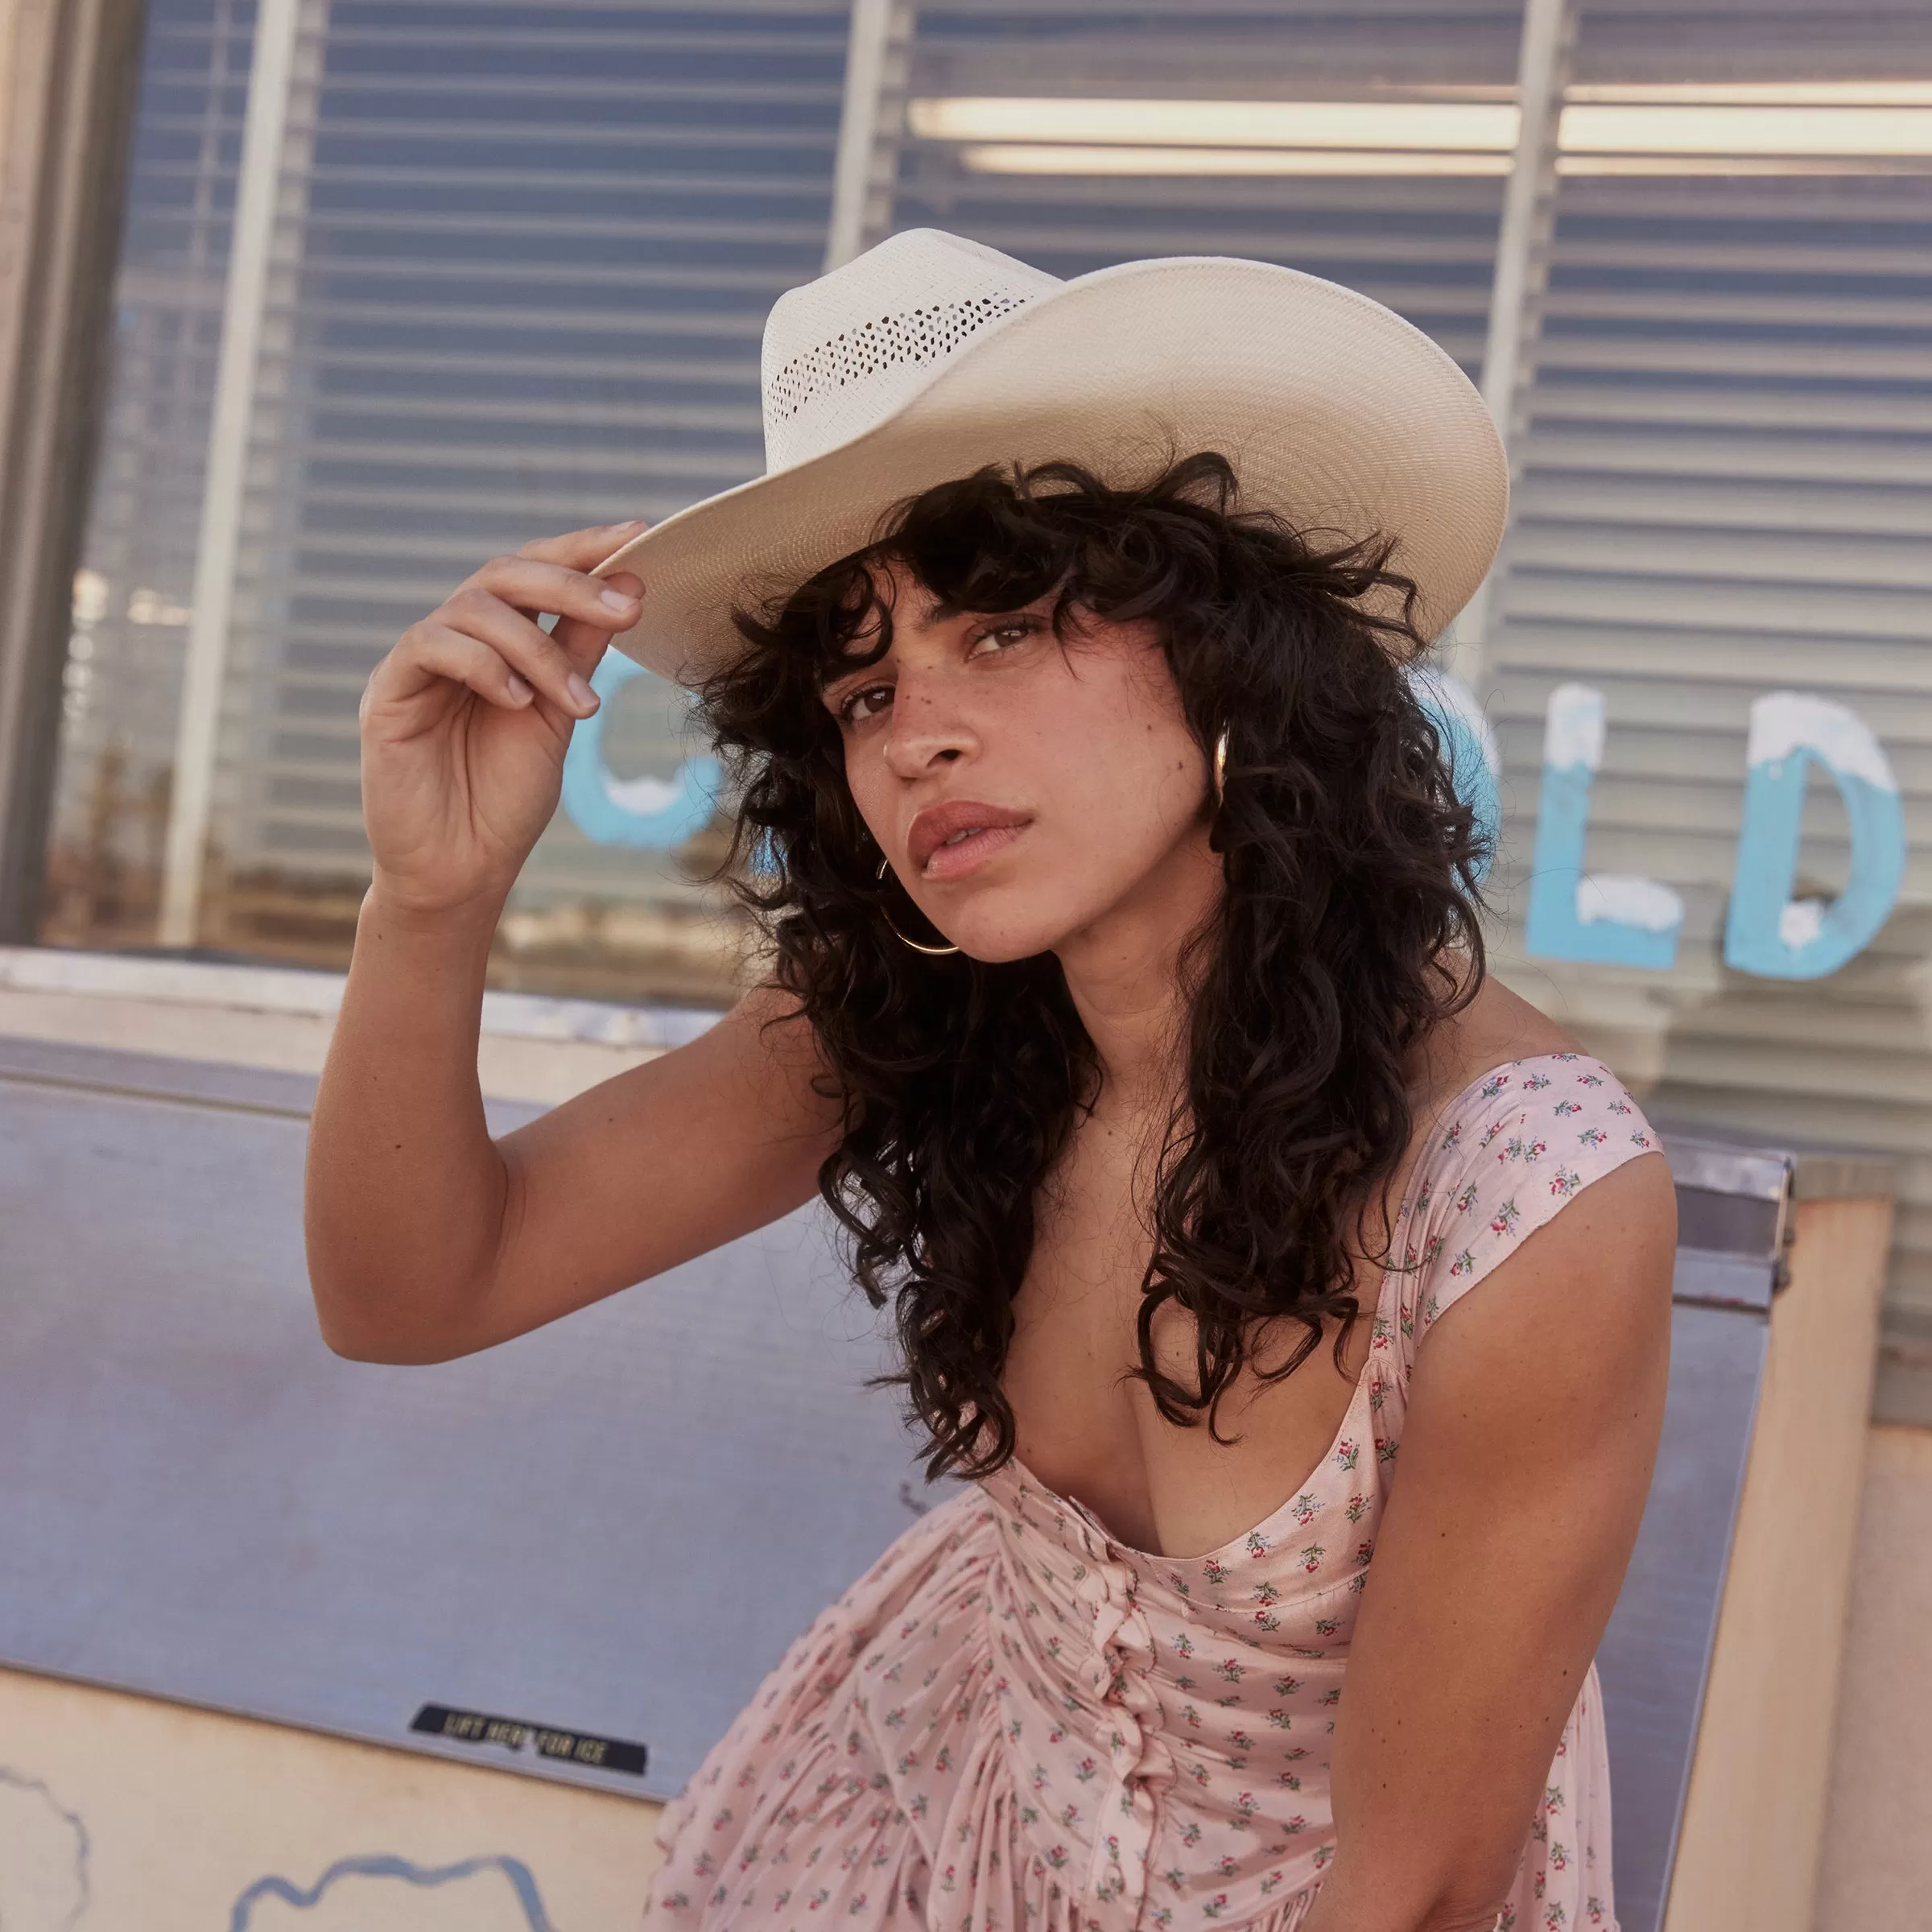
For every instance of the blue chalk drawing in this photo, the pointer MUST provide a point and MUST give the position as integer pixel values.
(1470, 749)
(1609, 919)
(75, 1828)
(646, 814)
(383, 1865)
(1768, 932)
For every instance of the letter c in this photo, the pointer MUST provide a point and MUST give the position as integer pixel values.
(647, 814)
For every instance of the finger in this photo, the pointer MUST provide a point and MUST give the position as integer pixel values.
(527, 584)
(585, 644)
(626, 541)
(528, 647)
(432, 651)
(584, 549)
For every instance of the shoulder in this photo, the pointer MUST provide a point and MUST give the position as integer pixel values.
(1504, 1157)
(1559, 1363)
(1495, 1027)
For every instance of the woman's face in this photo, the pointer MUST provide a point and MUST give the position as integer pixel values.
(1023, 788)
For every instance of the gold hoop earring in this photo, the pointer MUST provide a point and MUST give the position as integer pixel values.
(932, 952)
(1220, 768)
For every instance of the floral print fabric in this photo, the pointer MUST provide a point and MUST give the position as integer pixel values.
(1014, 1723)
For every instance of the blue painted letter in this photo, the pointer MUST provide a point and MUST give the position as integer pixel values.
(1611, 920)
(1769, 932)
(652, 814)
(1469, 750)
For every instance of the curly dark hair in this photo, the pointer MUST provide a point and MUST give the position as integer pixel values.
(1350, 870)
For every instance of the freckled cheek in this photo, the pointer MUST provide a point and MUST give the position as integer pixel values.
(1112, 789)
(868, 781)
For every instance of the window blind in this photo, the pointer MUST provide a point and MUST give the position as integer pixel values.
(1422, 241)
(520, 260)
(537, 249)
(1727, 491)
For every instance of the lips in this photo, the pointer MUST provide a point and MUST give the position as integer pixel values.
(944, 840)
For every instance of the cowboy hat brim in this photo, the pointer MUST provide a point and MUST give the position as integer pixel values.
(1333, 411)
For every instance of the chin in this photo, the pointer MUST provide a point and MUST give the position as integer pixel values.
(997, 934)
(1003, 951)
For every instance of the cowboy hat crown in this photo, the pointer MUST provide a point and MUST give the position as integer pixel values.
(930, 355)
(845, 352)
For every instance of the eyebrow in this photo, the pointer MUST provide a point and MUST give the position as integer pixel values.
(831, 682)
(936, 610)
(929, 611)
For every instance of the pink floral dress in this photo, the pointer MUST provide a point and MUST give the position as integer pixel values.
(1013, 1722)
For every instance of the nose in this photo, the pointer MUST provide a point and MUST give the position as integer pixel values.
(927, 731)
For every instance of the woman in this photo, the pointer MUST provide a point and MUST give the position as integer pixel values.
(1125, 1002)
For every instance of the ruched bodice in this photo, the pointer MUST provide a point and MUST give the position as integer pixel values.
(1013, 1721)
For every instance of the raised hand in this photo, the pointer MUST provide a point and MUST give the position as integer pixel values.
(465, 722)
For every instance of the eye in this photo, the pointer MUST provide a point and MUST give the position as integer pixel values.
(867, 702)
(1003, 635)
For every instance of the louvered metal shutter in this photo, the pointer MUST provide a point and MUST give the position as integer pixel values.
(538, 250)
(1728, 490)
(522, 262)
(1425, 245)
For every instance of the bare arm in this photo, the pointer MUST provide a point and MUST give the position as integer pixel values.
(426, 1239)
(1532, 1425)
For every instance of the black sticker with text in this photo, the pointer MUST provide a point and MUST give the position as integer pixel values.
(546, 1741)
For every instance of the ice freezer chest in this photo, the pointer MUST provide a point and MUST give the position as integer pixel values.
(612, 1527)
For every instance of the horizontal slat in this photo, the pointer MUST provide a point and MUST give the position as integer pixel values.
(1740, 605)
(1637, 502)
(1861, 460)
(1751, 664)
(510, 430)
(1846, 564)
(630, 323)
(1651, 250)
(1731, 357)
(1837, 406)
(1679, 707)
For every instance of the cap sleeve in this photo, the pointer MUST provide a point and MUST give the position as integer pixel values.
(1505, 1155)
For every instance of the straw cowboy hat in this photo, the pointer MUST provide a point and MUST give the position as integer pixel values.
(930, 355)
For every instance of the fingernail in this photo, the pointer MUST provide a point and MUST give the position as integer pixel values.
(581, 695)
(615, 599)
(518, 689)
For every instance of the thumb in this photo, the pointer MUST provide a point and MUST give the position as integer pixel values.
(584, 642)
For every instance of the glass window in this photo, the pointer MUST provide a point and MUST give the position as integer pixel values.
(515, 269)
(131, 595)
(508, 277)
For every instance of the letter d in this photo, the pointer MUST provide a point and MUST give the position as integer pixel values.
(1768, 932)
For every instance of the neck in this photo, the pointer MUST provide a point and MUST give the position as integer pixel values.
(1123, 973)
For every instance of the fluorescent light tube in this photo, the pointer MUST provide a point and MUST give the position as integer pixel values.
(1428, 125)
(1766, 121)
(1702, 128)
(1040, 158)
(1761, 93)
